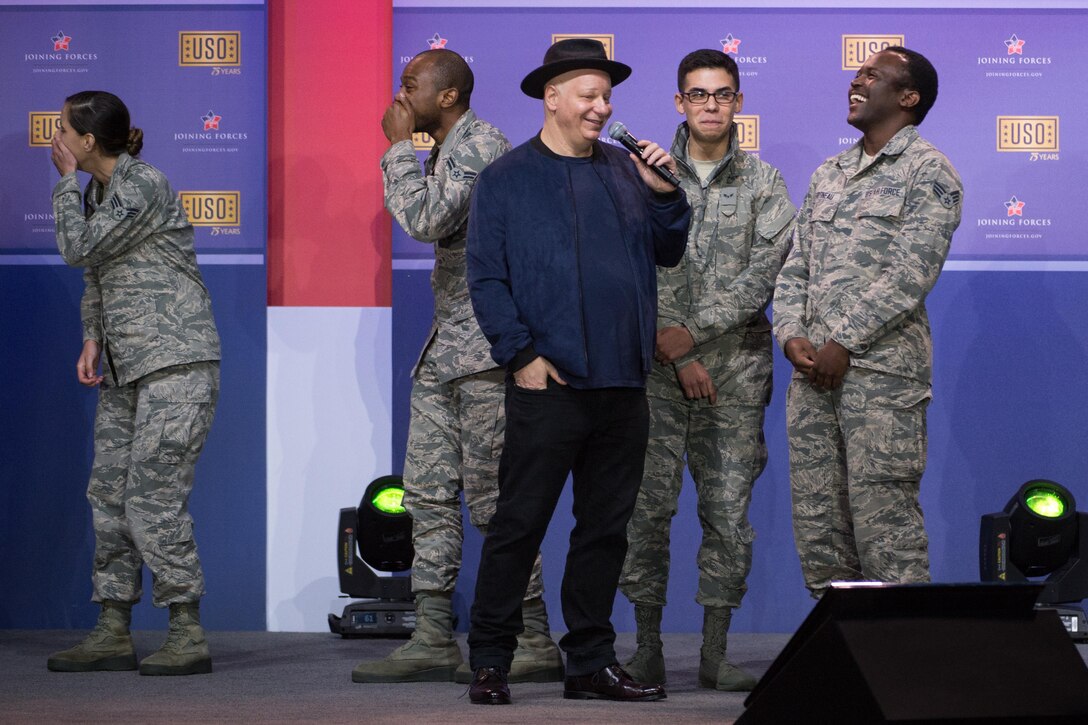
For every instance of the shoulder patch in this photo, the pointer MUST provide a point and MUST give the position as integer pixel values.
(118, 211)
(457, 172)
(948, 199)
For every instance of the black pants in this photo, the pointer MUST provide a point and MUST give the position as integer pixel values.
(600, 436)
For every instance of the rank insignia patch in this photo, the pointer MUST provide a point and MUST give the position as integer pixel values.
(948, 199)
(119, 211)
(459, 173)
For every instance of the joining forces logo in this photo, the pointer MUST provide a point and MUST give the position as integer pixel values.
(435, 42)
(1014, 56)
(1016, 218)
(61, 58)
(211, 138)
(211, 121)
(731, 46)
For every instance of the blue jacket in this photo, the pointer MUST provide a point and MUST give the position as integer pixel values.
(523, 249)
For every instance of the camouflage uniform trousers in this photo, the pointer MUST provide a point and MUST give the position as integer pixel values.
(147, 438)
(455, 439)
(726, 452)
(857, 455)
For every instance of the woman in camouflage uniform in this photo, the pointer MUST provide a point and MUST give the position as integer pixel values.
(146, 307)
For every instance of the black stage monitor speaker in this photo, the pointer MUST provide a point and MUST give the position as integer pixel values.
(925, 653)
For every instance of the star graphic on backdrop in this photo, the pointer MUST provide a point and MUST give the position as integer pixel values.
(730, 44)
(437, 42)
(61, 41)
(1014, 207)
(1015, 45)
(211, 121)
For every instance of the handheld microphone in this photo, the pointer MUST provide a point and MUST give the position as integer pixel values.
(620, 133)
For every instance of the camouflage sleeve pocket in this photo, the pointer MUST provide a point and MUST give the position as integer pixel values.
(770, 224)
(178, 418)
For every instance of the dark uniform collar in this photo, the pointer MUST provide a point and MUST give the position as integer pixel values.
(735, 158)
(896, 145)
(460, 128)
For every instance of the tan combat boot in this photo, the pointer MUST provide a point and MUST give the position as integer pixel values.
(431, 655)
(107, 647)
(648, 663)
(185, 651)
(537, 657)
(715, 671)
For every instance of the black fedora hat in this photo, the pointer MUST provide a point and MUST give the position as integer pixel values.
(573, 54)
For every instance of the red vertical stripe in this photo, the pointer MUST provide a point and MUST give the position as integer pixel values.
(329, 80)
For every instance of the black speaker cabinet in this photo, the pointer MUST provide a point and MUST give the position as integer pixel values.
(925, 653)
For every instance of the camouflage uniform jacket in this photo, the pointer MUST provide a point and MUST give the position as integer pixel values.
(868, 248)
(432, 207)
(741, 223)
(144, 301)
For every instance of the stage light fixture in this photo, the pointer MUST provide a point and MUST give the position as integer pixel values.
(376, 536)
(389, 500)
(1040, 533)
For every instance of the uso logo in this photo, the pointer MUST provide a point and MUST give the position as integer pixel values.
(422, 141)
(747, 131)
(208, 48)
(608, 40)
(43, 124)
(212, 208)
(1027, 133)
(856, 49)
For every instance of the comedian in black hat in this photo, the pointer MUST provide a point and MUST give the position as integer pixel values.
(564, 235)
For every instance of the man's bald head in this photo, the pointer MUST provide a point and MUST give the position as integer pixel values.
(450, 71)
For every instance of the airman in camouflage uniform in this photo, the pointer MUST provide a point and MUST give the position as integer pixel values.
(146, 306)
(871, 238)
(455, 435)
(708, 396)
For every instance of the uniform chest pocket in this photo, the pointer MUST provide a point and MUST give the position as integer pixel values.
(734, 207)
(824, 210)
(882, 204)
(734, 210)
(737, 221)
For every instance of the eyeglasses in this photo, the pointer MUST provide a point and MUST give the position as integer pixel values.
(698, 97)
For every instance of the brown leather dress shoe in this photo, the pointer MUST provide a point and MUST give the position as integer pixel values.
(489, 687)
(611, 683)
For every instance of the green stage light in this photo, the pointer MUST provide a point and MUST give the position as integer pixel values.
(1039, 534)
(1045, 501)
(389, 500)
(376, 536)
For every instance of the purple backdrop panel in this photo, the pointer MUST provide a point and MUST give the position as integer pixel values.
(1006, 115)
(194, 81)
